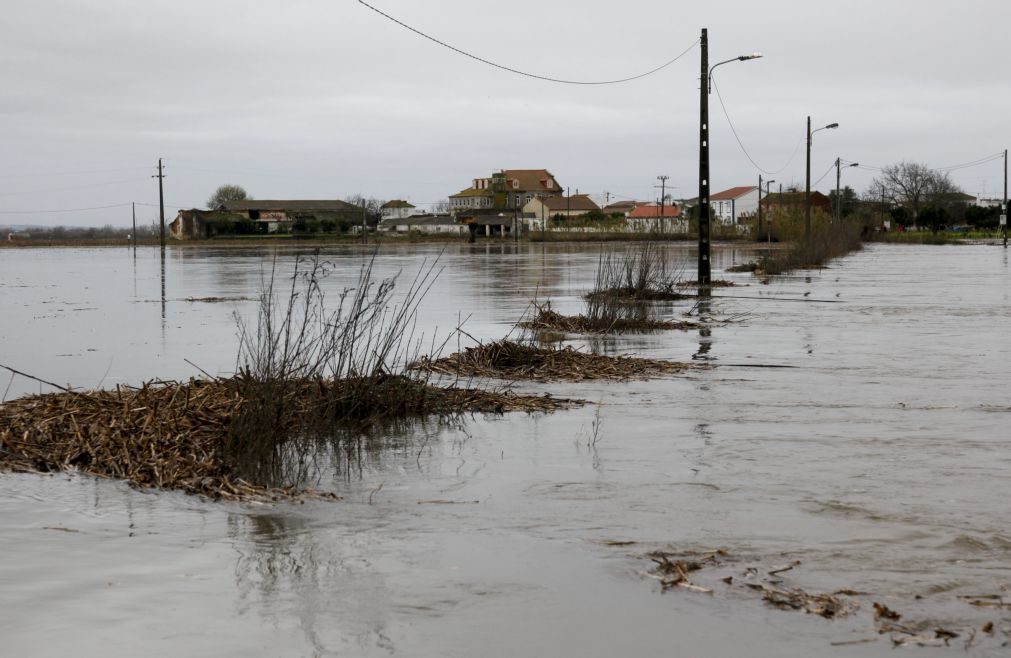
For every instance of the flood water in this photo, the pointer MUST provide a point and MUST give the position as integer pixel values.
(878, 458)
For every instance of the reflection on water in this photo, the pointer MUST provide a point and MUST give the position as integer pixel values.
(878, 458)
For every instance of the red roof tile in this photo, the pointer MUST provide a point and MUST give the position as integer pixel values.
(651, 210)
(732, 193)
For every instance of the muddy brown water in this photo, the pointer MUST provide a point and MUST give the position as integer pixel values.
(879, 458)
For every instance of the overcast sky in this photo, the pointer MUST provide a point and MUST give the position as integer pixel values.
(325, 98)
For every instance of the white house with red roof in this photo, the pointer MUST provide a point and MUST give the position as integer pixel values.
(733, 204)
(650, 217)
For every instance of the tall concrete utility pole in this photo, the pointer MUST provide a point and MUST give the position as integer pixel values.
(705, 268)
(759, 206)
(133, 207)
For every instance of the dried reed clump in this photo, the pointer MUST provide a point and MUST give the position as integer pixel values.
(175, 435)
(643, 274)
(507, 359)
(603, 316)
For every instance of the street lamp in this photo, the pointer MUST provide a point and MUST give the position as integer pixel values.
(705, 266)
(807, 193)
(838, 177)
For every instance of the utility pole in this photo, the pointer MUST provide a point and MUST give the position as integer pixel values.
(161, 204)
(1005, 208)
(807, 187)
(838, 199)
(768, 221)
(705, 269)
(837, 214)
(133, 206)
(568, 204)
(759, 206)
(365, 226)
(663, 197)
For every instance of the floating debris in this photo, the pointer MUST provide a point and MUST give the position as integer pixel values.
(882, 611)
(507, 359)
(823, 605)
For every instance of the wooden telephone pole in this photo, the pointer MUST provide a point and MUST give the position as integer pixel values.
(161, 205)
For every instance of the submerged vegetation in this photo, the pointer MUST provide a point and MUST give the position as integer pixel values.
(620, 301)
(828, 240)
(602, 316)
(189, 435)
(312, 379)
(507, 359)
(318, 375)
(645, 273)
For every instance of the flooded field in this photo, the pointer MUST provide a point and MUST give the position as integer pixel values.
(856, 422)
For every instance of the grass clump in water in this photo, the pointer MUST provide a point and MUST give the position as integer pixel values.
(643, 274)
(602, 316)
(509, 359)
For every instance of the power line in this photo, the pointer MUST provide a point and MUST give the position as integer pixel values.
(827, 171)
(524, 73)
(73, 173)
(43, 212)
(974, 163)
(741, 144)
(75, 187)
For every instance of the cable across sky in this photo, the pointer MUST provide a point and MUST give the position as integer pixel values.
(737, 137)
(524, 73)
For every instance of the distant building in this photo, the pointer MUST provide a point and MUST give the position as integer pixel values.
(509, 189)
(795, 200)
(397, 209)
(651, 217)
(260, 216)
(956, 198)
(197, 224)
(733, 204)
(620, 207)
(552, 207)
(989, 203)
(423, 224)
(279, 215)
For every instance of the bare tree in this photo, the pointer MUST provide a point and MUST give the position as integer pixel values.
(912, 186)
(441, 207)
(226, 193)
(373, 206)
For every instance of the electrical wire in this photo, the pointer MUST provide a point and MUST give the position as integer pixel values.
(75, 187)
(44, 212)
(74, 173)
(830, 168)
(741, 144)
(524, 73)
(974, 163)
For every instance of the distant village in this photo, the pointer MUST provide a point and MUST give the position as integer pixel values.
(507, 203)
